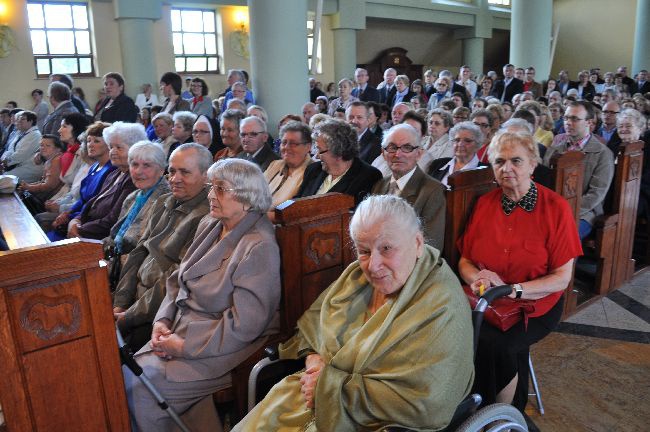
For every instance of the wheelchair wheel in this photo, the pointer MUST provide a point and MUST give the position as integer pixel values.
(495, 418)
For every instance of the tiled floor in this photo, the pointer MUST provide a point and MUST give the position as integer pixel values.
(594, 371)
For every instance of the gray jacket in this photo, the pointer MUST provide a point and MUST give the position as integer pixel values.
(599, 172)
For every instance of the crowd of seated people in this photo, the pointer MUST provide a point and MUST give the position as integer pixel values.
(105, 180)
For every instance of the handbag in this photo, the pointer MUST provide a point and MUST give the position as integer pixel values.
(504, 312)
(31, 202)
(115, 266)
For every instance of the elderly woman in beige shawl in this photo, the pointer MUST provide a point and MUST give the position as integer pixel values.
(388, 343)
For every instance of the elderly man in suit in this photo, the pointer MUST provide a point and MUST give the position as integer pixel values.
(387, 92)
(357, 115)
(509, 86)
(364, 91)
(402, 149)
(253, 134)
(599, 161)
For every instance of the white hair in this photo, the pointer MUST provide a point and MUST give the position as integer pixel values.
(148, 151)
(384, 209)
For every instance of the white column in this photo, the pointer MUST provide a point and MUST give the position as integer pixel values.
(641, 53)
(345, 49)
(278, 40)
(531, 25)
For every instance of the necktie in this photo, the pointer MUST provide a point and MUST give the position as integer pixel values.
(393, 189)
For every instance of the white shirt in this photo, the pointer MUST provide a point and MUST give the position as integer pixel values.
(473, 163)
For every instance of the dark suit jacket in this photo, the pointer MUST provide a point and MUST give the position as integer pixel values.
(369, 146)
(434, 168)
(263, 158)
(370, 94)
(386, 96)
(314, 93)
(122, 109)
(643, 89)
(358, 181)
(427, 196)
(588, 92)
(516, 86)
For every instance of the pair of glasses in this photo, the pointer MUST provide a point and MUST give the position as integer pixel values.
(219, 190)
(462, 140)
(291, 143)
(321, 152)
(611, 112)
(250, 134)
(406, 148)
(482, 125)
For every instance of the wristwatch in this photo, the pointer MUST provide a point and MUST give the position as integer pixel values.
(519, 290)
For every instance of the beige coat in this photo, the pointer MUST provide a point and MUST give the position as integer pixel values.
(224, 298)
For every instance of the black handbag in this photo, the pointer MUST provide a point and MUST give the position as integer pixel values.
(33, 204)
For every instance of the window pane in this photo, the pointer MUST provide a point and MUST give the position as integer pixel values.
(80, 17)
(83, 42)
(193, 43)
(39, 46)
(85, 66)
(210, 44)
(310, 41)
(176, 20)
(192, 21)
(208, 22)
(178, 43)
(212, 63)
(35, 12)
(58, 16)
(64, 65)
(180, 64)
(61, 42)
(43, 66)
(196, 64)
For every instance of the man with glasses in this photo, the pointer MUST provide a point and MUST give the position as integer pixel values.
(339, 168)
(172, 224)
(253, 135)
(608, 128)
(599, 161)
(401, 149)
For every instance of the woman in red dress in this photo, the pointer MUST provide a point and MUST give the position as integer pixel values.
(525, 235)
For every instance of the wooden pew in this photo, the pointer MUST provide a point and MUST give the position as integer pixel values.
(465, 187)
(315, 248)
(567, 177)
(58, 350)
(17, 224)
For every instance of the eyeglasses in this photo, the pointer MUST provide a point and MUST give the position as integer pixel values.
(482, 125)
(292, 143)
(573, 119)
(250, 134)
(321, 152)
(406, 148)
(219, 190)
(200, 132)
(463, 140)
(611, 112)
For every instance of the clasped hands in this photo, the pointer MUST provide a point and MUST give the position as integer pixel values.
(164, 343)
(313, 365)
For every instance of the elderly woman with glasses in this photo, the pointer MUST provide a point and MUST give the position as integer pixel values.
(206, 132)
(147, 163)
(387, 344)
(285, 175)
(100, 213)
(220, 304)
(466, 139)
(525, 235)
(339, 168)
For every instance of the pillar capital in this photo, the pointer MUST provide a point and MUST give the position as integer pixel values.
(141, 9)
(351, 15)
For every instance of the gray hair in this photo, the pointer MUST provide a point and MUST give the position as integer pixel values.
(504, 138)
(296, 126)
(263, 113)
(59, 91)
(470, 127)
(254, 119)
(187, 119)
(316, 119)
(203, 155)
(340, 137)
(247, 179)
(238, 73)
(377, 210)
(446, 117)
(519, 124)
(166, 117)
(148, 152)
(129, 133)
(233, 115)
(414, 135)
(235, 101)
(634, 116)
(347, 81)
(404, 79)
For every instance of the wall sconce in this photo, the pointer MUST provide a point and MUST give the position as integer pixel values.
(239, 38)
(7, 39)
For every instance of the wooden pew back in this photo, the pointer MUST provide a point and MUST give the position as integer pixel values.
(59, 356)
(465, 188)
